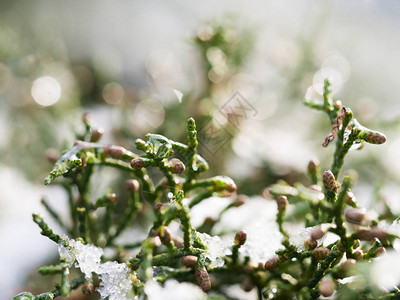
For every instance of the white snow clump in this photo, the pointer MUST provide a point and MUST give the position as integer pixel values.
(173, 290)
(215, 249)
(114, 277)
(115, 283)
(87, 257)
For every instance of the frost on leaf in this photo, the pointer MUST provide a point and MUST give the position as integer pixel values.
(215, 249)
(173, 289)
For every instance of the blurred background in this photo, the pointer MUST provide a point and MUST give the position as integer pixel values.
(141, 67)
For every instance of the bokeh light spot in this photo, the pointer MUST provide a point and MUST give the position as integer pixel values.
(113, 93)
(148, 114)
(46, 91)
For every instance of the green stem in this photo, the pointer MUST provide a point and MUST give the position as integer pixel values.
(338, 215)
(46, 231)
(341, 151)
(83, 220)
(323, 268)
(192, 150)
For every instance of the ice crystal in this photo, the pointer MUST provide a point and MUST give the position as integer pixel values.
(114, 277)
(115, 283)
(66, 254)
(215, 249)
(173, 290)
(87, 256)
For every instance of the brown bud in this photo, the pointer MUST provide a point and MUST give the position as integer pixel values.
(176, 166)
(313, 165)
(83, 163)
(266, 193)
(348, 264)
(272, 263)
(209, 221)
(80, 144)
(310, 244)
(355, 215)
(317, 233)
(240, 238)
(138, 163)
(87, 289)
(329, 181)
(52, 155)
(166, 236)
(231, 187)
(96, 134)
(248, 285)
(114, 151)
(347, 267)
(203, 279)
(374, 137)
(283, 257)
(157, 206)
(124, 256)
(132, 185)
(338, 104)
(189, 261)
(112, 198)
(156, 241)
(87, 117)
(370, 234)
(351, 199)
(358, 254)
(239, 200)
(315, 187)
(282, 203)
(326, 287)
(321, 253)
(365, 234)
(248, 268)
(380, 251)
(178, 241)
(260, 266)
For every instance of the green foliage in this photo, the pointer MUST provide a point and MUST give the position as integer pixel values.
(295, 272)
